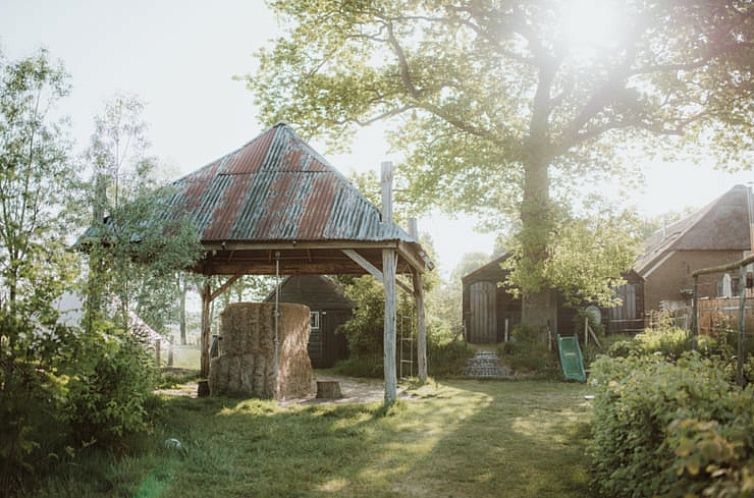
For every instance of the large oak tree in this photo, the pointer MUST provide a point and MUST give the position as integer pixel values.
(493, 98)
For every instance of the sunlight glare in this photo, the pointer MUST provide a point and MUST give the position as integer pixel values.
(589, 24)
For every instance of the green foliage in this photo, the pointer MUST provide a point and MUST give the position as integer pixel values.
(113, 398)
(669, 343)
(493, 102)
(586, 257)
(136, 252)
(528, 353)
(447, 352)
(260, 448)
(38, 184)
(670, 429)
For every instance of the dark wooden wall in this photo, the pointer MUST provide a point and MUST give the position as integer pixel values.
(476, 300)
(326, 344)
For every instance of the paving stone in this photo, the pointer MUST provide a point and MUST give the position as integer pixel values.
(486, 365)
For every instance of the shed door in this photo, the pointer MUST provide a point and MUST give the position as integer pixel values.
(483, 312)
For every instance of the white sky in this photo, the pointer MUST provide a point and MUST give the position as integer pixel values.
(181, 56)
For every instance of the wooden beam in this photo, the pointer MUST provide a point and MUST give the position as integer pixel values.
(741, 327)
(206, 294)
(389, 265)
(220, 290)
(409, 254)
(364, 263)
(421, 327)
(725, 268)
(273, 246)
(372, 270)
(389, 259)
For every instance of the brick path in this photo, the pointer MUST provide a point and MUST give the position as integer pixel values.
(486, 365)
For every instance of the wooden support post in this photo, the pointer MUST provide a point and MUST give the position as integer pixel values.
(741, 326)
(206, 295)
(391, 382)
(389, 265)
(170, 350)
(157, 348)
(586, 331)
(695, 315)
(421, 327)
(507, 334)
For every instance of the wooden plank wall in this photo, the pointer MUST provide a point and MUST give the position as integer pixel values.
(483, 312)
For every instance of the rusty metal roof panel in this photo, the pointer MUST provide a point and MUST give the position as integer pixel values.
(277, 188)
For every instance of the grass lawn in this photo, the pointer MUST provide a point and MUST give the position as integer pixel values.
(461, 439)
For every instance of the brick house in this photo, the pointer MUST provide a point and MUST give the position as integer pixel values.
(717, 234)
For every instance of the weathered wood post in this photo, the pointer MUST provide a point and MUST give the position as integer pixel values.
(695, 315)
(741, 325)
(389, 263)
(170, 350)
(421, 326)
(157, 348)
(206, 294)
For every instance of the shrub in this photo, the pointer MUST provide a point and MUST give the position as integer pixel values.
(669, 429)
(113, 398)
(528, 352)
(447, 352)
(668, 342)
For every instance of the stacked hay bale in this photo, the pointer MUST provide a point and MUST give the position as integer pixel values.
(246, 365)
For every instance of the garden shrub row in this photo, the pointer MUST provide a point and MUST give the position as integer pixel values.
(669, 422)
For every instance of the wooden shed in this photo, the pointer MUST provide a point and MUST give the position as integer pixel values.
(329, 308)
(488, 307)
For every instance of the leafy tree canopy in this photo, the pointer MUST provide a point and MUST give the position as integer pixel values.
(495, 100)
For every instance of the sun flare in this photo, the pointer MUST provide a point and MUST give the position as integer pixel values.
(589, 24)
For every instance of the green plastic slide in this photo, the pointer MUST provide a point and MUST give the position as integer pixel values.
(571, 360)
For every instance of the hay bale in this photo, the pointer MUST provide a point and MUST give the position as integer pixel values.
(246, 365)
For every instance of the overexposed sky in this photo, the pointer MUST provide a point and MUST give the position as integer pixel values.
(181, 56)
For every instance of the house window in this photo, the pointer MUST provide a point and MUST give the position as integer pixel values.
(314, 320)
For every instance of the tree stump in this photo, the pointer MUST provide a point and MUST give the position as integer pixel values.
(202, 388)
(328, 389)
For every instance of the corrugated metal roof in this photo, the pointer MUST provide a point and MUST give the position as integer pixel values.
(277, 188)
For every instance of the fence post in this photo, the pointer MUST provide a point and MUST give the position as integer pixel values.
(741, 325)
(695, 315)
(586, 331)
(157, 347)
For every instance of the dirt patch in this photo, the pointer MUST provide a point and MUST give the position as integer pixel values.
(355, 390)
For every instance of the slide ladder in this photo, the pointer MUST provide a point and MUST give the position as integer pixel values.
(571, 359)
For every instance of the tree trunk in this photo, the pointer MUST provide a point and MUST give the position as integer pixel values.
(539, 302)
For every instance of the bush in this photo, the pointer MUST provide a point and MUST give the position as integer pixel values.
(670, 429)
(447, 352)
(114, 397)
(528, 352)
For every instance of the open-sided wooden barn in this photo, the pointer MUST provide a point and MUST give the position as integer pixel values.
(329, 308)
(276, 206)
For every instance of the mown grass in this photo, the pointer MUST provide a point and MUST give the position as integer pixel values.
(460, 439)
